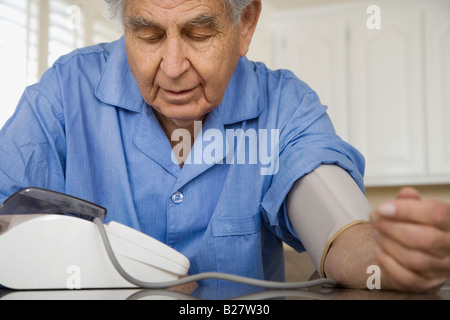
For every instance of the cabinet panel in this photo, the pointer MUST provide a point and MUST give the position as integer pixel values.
(386, 94)
(437, 46)
(315, 51)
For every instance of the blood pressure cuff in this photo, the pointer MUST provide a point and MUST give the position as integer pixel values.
(323, 204)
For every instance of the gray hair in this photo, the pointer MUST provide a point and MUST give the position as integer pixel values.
(115, 9)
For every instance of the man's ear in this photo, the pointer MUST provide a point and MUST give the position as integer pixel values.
(249, 20)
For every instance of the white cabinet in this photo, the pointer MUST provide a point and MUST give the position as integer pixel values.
(386, 97)
(316, 52)
(388, 89)
(437, 54)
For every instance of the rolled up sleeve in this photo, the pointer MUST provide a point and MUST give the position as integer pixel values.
(307, 141)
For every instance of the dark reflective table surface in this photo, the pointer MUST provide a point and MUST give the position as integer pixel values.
(236, 293)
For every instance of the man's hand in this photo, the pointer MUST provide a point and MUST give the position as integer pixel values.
(413, 237)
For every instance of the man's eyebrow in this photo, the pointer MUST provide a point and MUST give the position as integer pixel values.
(201, 21)
(139, 22)
(207, 21)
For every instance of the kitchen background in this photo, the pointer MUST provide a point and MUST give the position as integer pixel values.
(382, 67)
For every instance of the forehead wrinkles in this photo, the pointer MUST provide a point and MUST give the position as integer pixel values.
(173, 4)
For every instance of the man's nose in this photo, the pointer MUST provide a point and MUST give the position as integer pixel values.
(174, 61)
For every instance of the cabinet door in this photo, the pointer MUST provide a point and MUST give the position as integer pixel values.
(437, 57)
(386, 95)
(315, 50)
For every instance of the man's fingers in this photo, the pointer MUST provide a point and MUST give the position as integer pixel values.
(421, 262)
(414, 241)
(431, 212)
(416, 236)
(403, 278)
(410, 193)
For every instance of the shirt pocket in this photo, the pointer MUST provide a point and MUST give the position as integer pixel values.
(237, 244)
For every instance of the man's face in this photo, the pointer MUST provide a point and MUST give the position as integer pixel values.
(182, 54)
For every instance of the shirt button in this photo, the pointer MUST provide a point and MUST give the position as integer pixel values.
(177, 197)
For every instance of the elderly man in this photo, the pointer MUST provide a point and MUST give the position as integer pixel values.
(142, 126)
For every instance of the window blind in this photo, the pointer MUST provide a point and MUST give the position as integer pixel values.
(34, 33)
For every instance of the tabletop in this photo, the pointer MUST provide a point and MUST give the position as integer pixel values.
(192, 292)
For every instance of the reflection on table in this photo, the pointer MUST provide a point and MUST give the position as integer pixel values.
(232, 292)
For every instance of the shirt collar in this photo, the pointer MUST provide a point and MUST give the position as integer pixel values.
(117, 86)
(243, 99)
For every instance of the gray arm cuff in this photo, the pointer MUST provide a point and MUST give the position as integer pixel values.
(323, 204)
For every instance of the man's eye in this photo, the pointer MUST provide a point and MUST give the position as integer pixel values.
(153, 39)
(196, 37)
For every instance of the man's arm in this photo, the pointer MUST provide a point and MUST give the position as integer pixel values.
(350, 255)
(408, 238)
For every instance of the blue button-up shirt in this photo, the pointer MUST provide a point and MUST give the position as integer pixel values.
(85, 130)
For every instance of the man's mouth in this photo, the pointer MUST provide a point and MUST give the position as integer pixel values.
(178, 96)
(179, 91)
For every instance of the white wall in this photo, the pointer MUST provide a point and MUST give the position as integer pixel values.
(261, 48)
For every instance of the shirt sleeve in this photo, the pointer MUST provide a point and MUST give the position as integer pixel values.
(307, 141)
(32, 144)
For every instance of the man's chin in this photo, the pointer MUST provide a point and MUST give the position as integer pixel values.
(182, 115)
